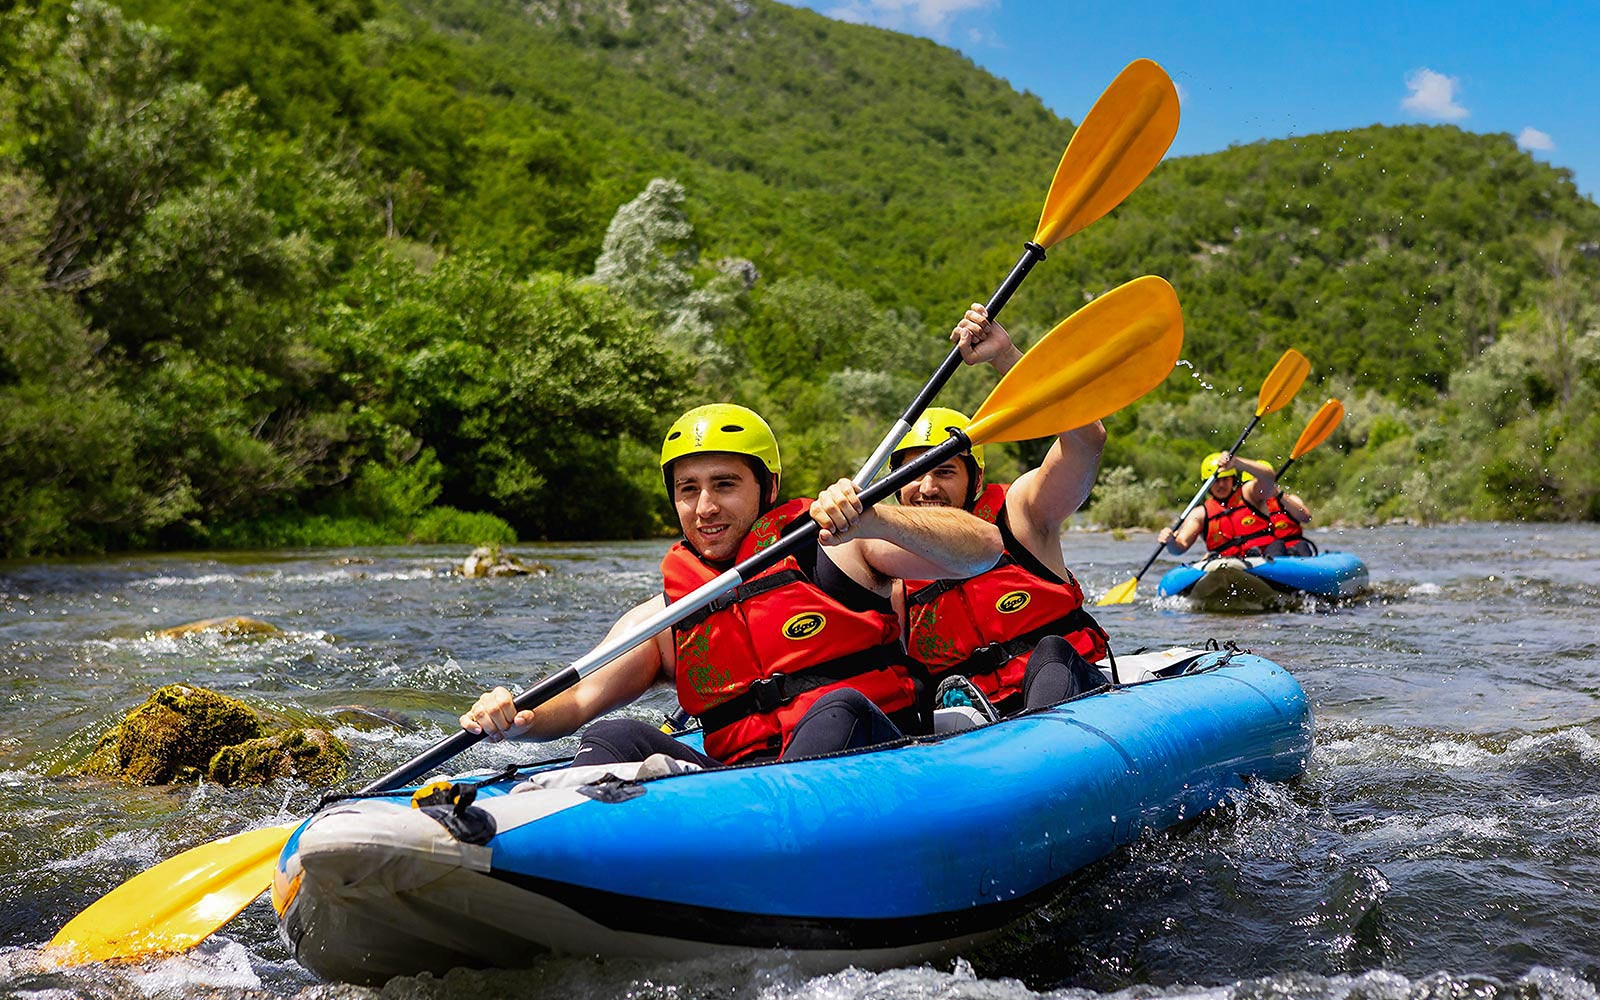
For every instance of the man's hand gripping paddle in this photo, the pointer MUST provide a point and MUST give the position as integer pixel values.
(1117, 144)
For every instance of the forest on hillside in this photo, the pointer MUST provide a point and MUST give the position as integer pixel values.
(298, 272)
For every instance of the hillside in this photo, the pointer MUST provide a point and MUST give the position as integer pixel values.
(289, 272)
(888, 164)
(807, 145)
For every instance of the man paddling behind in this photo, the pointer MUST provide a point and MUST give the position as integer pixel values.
(1233, 521)
(805, 658)
(1018, 633)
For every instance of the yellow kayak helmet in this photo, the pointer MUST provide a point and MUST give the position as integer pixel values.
(725, 427)
(932, 428)
(1208, 467)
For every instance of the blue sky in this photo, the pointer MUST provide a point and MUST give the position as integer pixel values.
(1262, 70)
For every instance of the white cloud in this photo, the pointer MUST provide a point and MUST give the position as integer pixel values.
(852, 14)
(1532, 138)
(1433, 95)
(928, 17)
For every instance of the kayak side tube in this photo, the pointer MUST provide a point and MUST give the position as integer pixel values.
(872, 858)
(1329, 574)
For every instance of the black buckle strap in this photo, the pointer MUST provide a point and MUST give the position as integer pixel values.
(776, 690)
(743, 592)
(768, 693)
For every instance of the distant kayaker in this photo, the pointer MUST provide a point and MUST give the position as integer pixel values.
(1288, 514)
(806, 658)
(1233, 520)
(1018, 633)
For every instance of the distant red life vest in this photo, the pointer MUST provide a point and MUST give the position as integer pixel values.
(752, 663)
(1234, 527)
(986, 626)
(1284, 527)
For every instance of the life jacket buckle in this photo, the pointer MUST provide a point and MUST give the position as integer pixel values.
(768, 693)
(986, 658)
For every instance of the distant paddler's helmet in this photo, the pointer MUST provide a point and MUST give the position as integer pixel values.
(723, 427)
(1208, 467)
(932, 428)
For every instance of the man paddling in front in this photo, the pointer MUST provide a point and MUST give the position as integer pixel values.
(806, 658)
(1017, 636)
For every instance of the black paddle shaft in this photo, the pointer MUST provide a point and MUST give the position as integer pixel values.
(768, 557)
(1032, 253)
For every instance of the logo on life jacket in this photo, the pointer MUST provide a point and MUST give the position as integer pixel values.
(805, 625)
(1013, 602)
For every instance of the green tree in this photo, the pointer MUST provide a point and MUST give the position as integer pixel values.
(524, 390)
(73, 476)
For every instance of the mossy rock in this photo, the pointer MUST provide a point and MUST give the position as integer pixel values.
(314, 756)
(172, 736)
(490, 560)
(231, 627)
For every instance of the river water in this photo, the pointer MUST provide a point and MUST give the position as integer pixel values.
(1445, 842)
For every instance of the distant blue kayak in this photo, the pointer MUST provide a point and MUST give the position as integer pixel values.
(1260, 583)
(879, 857)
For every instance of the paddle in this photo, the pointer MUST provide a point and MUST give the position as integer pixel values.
(1100, 359)
(1115, 147)
(1112, 151)
(1317, 430)
(1282, 383)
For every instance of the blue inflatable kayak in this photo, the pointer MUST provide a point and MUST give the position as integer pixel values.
(878, 857)
(1257, 584)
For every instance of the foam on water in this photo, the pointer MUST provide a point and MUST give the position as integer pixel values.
(341, 576)
(216, 964)
(141, 846)
(1572, 740)
(163, 582)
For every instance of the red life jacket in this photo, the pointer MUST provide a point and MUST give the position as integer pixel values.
(751, 663)
(1284, 527)
(1234, 527)
(986, 626)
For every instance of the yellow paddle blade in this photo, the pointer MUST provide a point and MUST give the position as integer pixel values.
(1122, 593)
(1115, 147)
(177, 904)
(1096, 361)
(1320, 426)
(1282, 382)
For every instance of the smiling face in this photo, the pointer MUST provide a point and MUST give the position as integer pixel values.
(718, 498)
(1223, 486)
(944, 486)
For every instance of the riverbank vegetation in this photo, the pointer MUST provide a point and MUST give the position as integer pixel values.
(290, 272)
